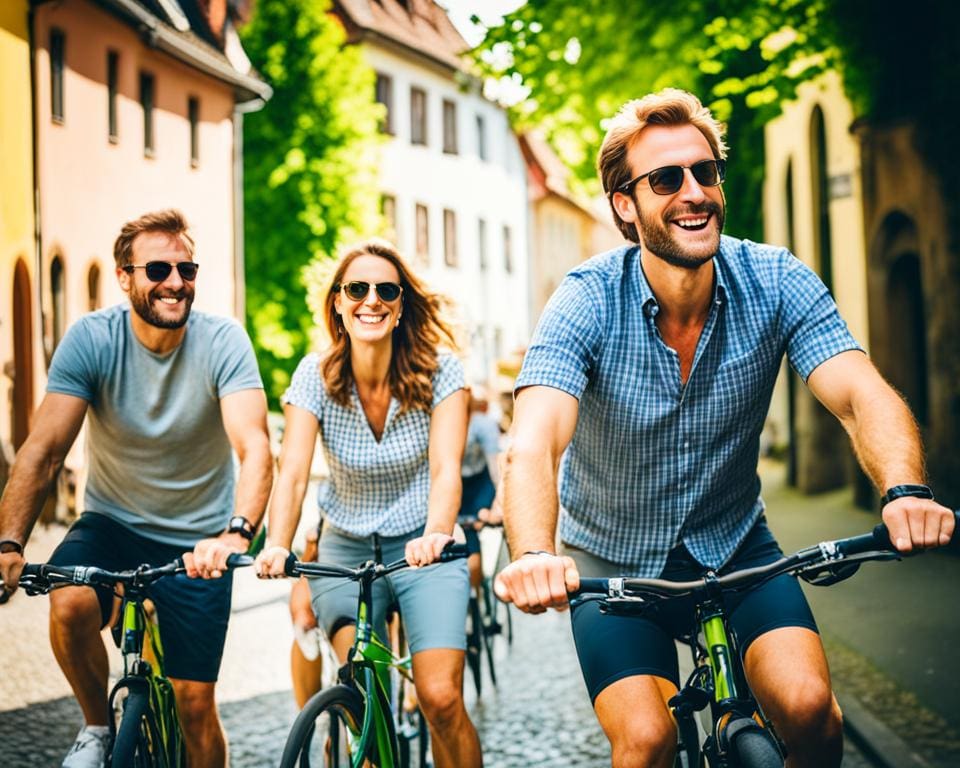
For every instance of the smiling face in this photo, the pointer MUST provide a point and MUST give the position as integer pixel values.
(165, 304)
(371, 319)
(684, 228)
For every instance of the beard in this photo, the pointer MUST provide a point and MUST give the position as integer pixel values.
(660, 242)
(142, 304)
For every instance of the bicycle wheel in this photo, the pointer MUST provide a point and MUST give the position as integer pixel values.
(754, 748)
(137, 744)
(322, 733)
(475, 643)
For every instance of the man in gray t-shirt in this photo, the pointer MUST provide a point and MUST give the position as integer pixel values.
(169, 395)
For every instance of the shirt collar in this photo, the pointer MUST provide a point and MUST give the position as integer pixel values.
(648, 302)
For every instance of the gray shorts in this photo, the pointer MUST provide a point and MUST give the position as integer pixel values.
(432, 600)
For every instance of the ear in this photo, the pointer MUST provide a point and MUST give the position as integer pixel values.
(124, 279)
(336, 303)
(623, 205)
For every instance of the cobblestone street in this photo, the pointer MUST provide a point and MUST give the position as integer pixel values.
(538, 716)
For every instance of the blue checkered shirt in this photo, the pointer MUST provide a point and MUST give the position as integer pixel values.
(654, 462)
(374, 486)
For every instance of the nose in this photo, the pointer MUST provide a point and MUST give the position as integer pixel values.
(372, 296)
(691, 189)
(173, 279)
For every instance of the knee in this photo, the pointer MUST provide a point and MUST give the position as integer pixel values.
(197, 709)
(441, 702)
(809, 714)
(75, 608)
(645, 742)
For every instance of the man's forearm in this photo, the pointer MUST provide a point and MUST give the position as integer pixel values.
(529, 502)
(254, 482)
(31, 480)
(886, 439)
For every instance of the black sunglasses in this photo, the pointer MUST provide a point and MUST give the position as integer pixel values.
(158, 271)
(668, 179)
(359, 289)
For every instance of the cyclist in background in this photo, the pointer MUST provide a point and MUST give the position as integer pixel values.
(391, 413)
(653, 367)
(168, 393)
(480, 473)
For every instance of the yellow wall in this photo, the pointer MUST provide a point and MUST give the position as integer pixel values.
(16, 177)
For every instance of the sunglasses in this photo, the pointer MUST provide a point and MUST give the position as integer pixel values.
(668, 179)
(358, 290)
(158, 271)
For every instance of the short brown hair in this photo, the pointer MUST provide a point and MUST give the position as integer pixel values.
(170, 221)
(416, 339)
(671, 106)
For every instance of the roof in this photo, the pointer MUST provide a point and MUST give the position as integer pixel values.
(547, 172)
(184, 30)
(420, 26)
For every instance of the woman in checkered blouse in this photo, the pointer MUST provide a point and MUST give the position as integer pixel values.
(391, 412)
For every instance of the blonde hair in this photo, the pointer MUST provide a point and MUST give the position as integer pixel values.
(415, 340)
(671, 106)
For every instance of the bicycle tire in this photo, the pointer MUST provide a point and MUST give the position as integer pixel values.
(137, 734)
(336, 710)
(475, 644)
(754, 749)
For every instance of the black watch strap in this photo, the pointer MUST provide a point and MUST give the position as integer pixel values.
(240, 524)
(899, 491)
(10, 545)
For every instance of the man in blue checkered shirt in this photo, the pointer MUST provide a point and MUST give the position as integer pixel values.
(650, 375)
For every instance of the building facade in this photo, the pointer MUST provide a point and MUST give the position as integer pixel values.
(452, 175)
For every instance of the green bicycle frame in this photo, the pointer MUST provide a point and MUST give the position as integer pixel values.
(719, 654)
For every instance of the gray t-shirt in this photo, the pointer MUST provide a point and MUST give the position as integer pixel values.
(158, 456)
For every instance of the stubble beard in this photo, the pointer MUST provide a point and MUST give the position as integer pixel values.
(658, 240)
(143, 305)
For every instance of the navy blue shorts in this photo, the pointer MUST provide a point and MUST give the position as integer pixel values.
(613, 647)
(192, 613)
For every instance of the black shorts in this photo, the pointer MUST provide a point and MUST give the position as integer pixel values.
(192, 613)
(613, 647)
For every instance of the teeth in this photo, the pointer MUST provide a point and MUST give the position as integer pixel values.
(692, 222)
(169, 299)
(371, 319)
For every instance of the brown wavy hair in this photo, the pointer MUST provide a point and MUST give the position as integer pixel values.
(416, 339)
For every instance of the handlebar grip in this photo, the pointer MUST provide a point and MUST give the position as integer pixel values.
(239, 560)
(289, 563)
(454, 552)
(593, 587)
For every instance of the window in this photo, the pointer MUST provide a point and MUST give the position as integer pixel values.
(449, 238)
(507, 245)
(482, 242)
(93, 288)
(146, 101)
(193, 113)
(58, 43)
(481, 137)
(449, 127)
(418, 116)
(423, 235)
(388, 209)
(385, 97)
(58, 302)
(113, 59)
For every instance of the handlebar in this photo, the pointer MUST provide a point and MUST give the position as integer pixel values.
(369, 569)
(840, 557)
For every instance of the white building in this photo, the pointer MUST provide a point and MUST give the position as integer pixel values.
(453, 178)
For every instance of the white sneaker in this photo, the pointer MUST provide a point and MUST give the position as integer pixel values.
(308, 640)
(90, 748)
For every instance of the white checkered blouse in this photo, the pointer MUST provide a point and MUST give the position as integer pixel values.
(654, 462)
(375, 486)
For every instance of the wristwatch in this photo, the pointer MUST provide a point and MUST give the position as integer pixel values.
(240, 524)
(899, 491)
(10, 545)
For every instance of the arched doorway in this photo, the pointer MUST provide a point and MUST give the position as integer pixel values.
(22, 401)
(93, 287)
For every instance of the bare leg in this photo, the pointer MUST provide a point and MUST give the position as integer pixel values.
(438, 677)
(79, 650)
(633, 713)
(205, 739)
(787, 671)
(306, 674)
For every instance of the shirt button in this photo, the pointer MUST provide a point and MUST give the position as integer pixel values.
(686, 443)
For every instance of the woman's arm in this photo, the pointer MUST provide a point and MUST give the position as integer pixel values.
(448, 434)
(296, 456)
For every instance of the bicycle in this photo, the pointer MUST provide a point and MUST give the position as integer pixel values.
(487, 617)
(363, 716)
(145, 731)
(738, 733)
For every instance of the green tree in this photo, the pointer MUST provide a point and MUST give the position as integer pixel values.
(309, 171)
